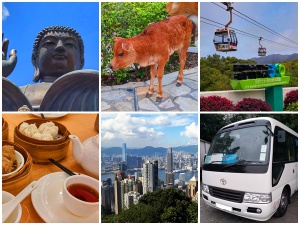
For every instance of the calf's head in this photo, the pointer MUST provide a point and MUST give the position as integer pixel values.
(124, 54)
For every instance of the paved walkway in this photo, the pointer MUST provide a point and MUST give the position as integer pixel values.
(132, 96)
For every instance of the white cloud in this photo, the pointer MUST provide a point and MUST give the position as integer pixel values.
(108, 136)
(161, 120)
(127, 127)
(5, 12)
(138, 130)
(191, 131)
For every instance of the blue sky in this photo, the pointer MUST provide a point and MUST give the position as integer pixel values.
(157, 130)
(281, 17)
(21, 22)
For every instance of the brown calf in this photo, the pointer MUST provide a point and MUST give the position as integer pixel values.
(189, 9)
(153, 47)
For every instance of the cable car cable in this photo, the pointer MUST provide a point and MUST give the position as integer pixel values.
(267, 28)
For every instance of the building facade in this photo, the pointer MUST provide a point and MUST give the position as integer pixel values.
(150, 176)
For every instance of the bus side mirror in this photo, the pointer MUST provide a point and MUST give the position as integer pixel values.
(281, 136)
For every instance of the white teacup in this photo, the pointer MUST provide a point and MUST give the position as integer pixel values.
(75, 205)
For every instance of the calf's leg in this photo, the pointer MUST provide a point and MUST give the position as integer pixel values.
(153, 71)
(182, 59)
(160, 73)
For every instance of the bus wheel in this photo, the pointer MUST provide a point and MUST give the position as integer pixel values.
(284, 202)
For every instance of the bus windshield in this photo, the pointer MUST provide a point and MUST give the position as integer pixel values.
(243, 146)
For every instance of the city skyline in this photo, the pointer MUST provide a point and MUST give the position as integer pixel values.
(156, 130)
(128, 188)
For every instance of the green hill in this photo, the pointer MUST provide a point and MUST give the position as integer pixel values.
(216, 72)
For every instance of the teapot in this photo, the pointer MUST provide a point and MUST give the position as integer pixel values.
(87, 154)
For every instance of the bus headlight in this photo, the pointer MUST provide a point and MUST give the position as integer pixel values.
(205, 188)
(257, 198)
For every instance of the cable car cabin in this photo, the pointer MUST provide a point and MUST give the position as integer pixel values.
(262, 51)
(225, 40)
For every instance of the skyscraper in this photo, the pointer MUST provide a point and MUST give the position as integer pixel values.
(150, 176)
(182, 176)
(169, 160)
(122, 166)
(107, 195)
(124, 152)
(118, 195)
(169, 173)
(130, 198)
(169, 179)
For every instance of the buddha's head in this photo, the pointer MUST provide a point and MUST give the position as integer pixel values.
(57, 50)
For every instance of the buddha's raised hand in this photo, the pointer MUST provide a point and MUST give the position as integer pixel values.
(9, 64)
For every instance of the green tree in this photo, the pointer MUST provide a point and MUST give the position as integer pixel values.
(162, 206)
(210, 124)
(216, 72)
(292, 71)
(125, 19)
(137, 214)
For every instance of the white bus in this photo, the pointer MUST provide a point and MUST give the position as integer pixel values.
(251, 169)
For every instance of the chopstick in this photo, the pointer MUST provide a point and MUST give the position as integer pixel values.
(62, 167)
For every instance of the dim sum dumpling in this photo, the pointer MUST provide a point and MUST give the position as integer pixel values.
(44, 131)
(23, 126)
(33, 129)
(44, 125)
(47, 137)
(51, 130)
(30, 130)
(37, 136)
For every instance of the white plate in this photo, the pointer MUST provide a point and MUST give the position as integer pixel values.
(50, 115)
(48, 201)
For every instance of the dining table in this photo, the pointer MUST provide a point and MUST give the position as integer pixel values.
(83, 125)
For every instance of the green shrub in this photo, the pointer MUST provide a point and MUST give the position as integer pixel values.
(292, 107)
(125, 19)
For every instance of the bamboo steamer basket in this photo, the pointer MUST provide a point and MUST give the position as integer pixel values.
(62, 130)
(41, 150)
(17, 181)
(4, 129)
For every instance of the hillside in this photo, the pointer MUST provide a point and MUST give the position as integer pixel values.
(149, 150)
(216, 71)
(275, 58)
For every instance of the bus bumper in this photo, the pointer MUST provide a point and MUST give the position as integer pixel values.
(260, 212)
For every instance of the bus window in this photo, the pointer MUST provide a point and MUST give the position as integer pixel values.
(280, 153)
(285, 151)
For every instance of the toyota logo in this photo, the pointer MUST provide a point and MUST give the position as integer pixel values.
(223, 181)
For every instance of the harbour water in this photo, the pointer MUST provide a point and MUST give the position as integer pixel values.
(161, 175)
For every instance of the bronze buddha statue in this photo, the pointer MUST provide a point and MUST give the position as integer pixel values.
(57, 50)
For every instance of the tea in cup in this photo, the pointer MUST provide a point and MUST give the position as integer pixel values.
(81, 195)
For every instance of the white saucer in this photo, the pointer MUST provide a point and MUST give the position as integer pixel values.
(50, 115)
(48, 201)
